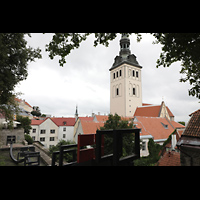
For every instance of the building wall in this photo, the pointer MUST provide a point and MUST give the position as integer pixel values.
(123, 101)
(47, 125)
(193, 157)
(18, 133)
(66, 133)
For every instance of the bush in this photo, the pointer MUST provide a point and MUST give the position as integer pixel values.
(28, 138)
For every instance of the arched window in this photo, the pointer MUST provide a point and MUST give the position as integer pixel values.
(117, 73)
(117, 91)
(133, 91)
(113, 75)
(133, 72)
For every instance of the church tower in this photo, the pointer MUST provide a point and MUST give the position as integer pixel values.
(125, 81)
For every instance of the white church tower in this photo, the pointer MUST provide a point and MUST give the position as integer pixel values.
(125, 81)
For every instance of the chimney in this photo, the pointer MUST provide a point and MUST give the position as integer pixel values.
(173, 141)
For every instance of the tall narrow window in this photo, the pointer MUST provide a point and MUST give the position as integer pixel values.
(117, 91)
(114, 76)
(133, 91)
(137, 75)
(117, 73)
(133, 73)
(120, 72)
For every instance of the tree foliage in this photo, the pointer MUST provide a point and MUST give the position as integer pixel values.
(184, 47)
(25, 123)
(68, 157)
(116, 122)
(14, 58)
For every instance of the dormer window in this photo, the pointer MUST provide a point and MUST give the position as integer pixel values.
(64, 122)
(165, 125)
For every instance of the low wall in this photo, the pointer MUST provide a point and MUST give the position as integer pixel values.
(18, 133)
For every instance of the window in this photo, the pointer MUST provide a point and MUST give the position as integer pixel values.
(42, 139)
(117, 74)
(137, 75)
(133, 91)
(52, 131)
(165, 125)
(120, 72)
(117, 91)
(113, 75)
(143, 146)
(133, 73)
(33, 138)
(43, 131)
(64, 129)
(34, 130)
(64, 135)
(51, 139)
(64, 122)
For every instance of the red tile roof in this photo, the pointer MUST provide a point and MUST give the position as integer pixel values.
(193, 127)
(150, 110)
(20, 100)
(59, 121)
(86, 118)
(101, 118)
(36, 122)
(90, 127)
(63, 121)
(154, 126)
(170, 158)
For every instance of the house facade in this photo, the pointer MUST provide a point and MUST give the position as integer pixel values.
(51, 130)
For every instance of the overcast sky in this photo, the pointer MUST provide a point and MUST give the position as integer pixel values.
(85, 79)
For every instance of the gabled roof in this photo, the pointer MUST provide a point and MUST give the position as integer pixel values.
(101, 118)
(159, 128)
(149, 110)
(90, 127)
(20, 100)
(36, 122)
(59, 121)
(86, 118)
(63, 121)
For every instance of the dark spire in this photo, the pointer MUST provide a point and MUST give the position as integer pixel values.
(124, 46)
(76, 113)
(125, 55)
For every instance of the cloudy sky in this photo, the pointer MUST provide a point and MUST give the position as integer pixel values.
(85, 79)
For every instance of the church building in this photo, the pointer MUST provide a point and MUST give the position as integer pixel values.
(125, 81)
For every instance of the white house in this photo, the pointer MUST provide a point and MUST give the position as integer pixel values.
(51, 130)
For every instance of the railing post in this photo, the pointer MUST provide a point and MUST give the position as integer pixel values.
(61, 156)
(115, 148)
(98, 147)
(137, 142)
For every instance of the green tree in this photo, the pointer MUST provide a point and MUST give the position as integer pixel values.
(116, 122)
(28, 138)
(14, 58)
(68, 157)
(184, 47)
(25, 123)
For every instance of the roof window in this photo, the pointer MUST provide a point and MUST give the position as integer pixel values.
(64, 122)
(165, 125)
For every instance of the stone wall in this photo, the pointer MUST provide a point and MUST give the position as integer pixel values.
(18, 133)
(190, 156)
